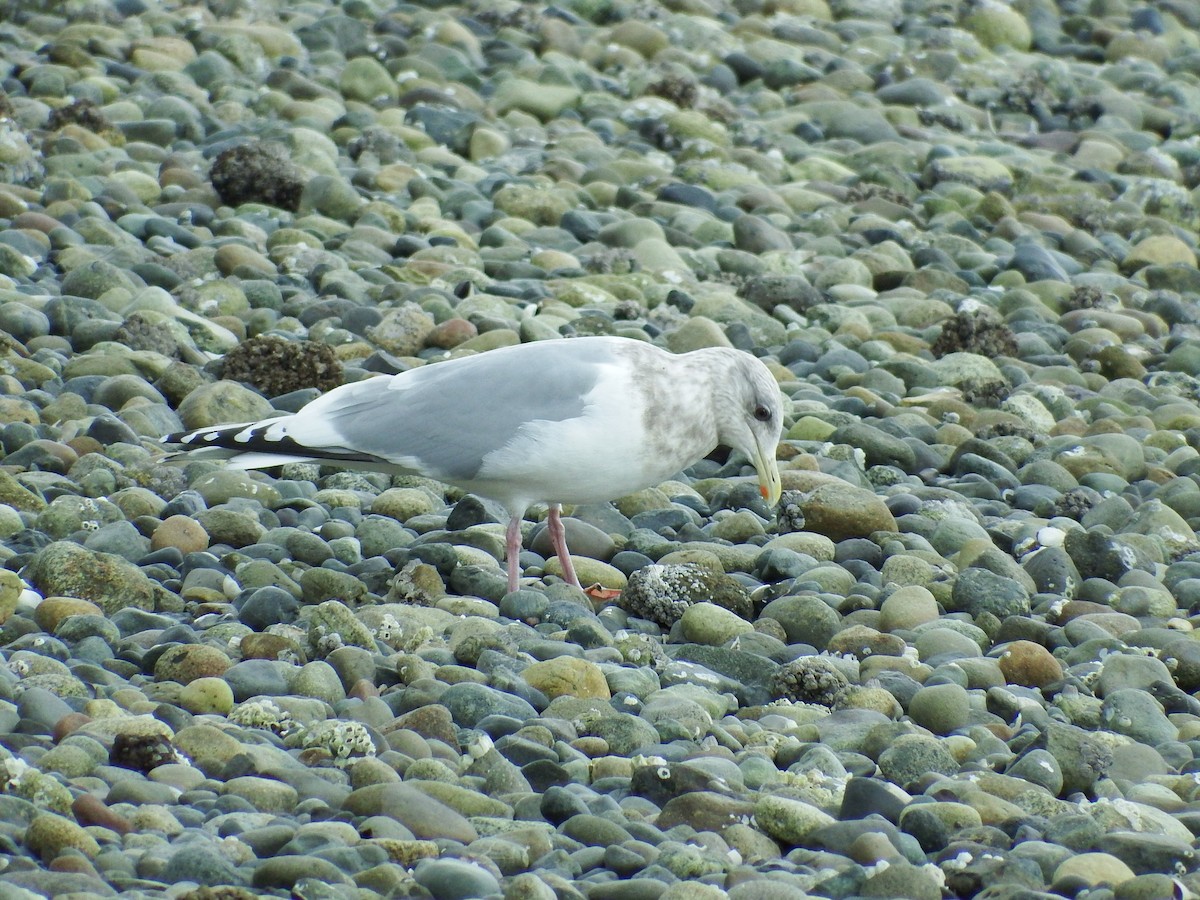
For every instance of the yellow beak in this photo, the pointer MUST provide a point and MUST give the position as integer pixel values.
(769, 483)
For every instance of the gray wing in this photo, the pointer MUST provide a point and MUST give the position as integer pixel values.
(443, 419)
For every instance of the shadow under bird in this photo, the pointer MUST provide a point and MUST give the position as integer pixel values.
(578, 420)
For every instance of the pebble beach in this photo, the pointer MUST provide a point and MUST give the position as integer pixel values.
(960, 659)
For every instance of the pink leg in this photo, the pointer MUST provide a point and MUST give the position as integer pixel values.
(512, 551)
(558, 538)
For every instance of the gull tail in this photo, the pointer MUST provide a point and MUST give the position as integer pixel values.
(260, 445)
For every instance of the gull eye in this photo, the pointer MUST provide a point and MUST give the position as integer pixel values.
(762, 413)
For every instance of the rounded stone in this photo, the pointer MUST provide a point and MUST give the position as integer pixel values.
(403, 504)
(787, 820)
(366, 80)
(942, 708)
(1030, 665)
(230, 484)
(181, 532)
(221, 402)
(53, 610)
(567, 676)
(66, 569)
(1159, 250)
(1038, 767)
(283, 872)
(912, 756)
(206, 695)
(906, 608)
(187, 662)
(208, 747)
(264, 794)
(902, 880)
(707, 623)
(840, 511)
(403, 330)
(455, 879)
(1094, 869)
(48, 836)
(805, 619)
(317, 679)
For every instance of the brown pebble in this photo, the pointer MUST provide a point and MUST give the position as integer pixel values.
(180, 176)
(91, 810)
(771, 627)
(70, 723)
(591, 747)
(362, 689)
(64, 453)
(187, 662)
(315, 757)
(16, 409)
(51, 611)
(271, 646)
(1072, 609)
(74, 864)
(406, 853)
(871, 847)
(37, 221)
(181, 532)
(83, 445)
(1159, 474)
(1030, 665)
(1002, 731)
(1071, 425)
(430, 722)
(451, 333)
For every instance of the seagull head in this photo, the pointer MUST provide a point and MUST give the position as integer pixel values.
(751, 420)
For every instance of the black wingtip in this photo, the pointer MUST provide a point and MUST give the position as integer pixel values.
(212, 436)
(251, 438)
(192, 437)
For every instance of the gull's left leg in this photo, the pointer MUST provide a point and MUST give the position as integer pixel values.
(558, 538)
(512, 551)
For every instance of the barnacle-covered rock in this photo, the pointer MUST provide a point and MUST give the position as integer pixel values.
(44, 791)
(975, 330)
(640, 649)
(810, 679)
(660, 593)
(265, 714)
(333, 625)
(418, 583)
(85, 114)
(257, 173)
(789, 514)
(143, 752)
(277, 366)
(399, 636)
(141, 331)
(342, 740)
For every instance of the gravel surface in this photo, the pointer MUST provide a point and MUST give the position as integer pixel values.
(958, 660)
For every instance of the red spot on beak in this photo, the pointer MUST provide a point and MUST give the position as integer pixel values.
(762, 489)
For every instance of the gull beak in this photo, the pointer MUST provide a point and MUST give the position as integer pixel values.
(769, 484)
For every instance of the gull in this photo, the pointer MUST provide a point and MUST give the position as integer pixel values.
(577, 420)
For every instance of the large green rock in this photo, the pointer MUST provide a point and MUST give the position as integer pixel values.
(64, 569)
